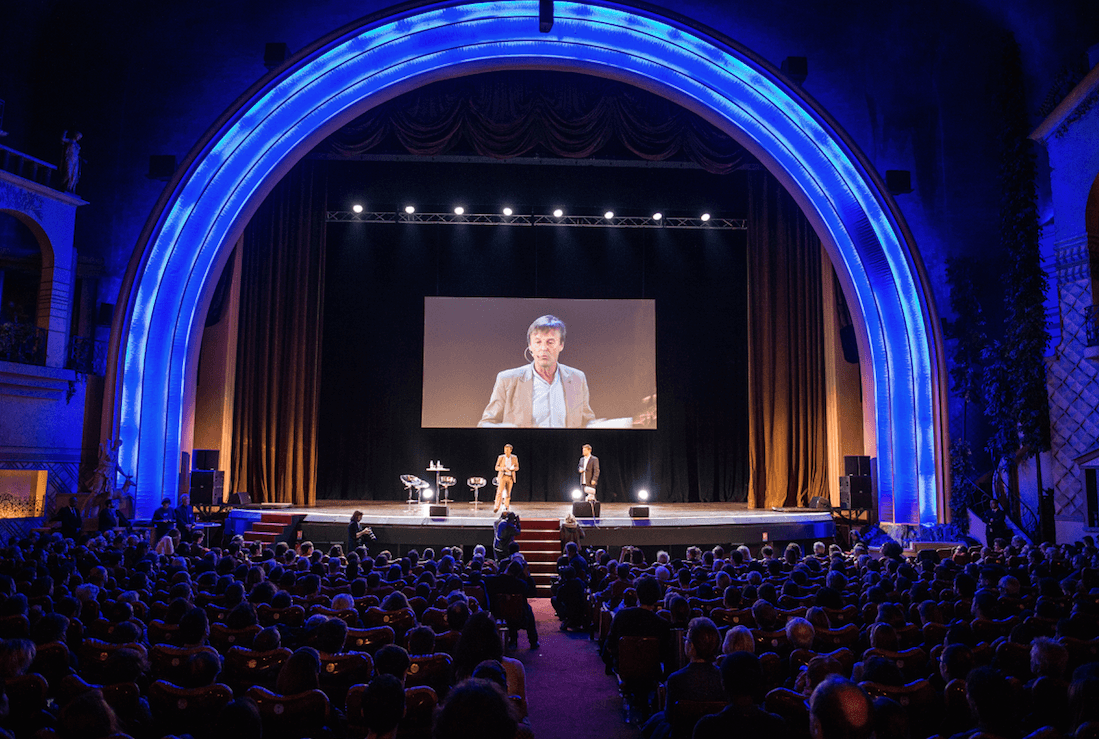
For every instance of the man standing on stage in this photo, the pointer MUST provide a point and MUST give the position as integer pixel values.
(544, 393)
(589, 472)
(507, 464)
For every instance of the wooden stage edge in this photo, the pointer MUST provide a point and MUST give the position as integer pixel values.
(401, 526)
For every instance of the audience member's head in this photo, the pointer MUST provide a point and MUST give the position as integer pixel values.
(301, 672)
(703, 640)
(476, 709)
(840, 709)
(738, 639)
(392, 660)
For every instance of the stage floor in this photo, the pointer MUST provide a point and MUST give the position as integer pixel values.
(667, 524)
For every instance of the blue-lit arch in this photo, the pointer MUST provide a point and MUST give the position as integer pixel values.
(196, 222)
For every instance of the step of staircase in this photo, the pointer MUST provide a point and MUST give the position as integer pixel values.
(541, 546)
(270, 528)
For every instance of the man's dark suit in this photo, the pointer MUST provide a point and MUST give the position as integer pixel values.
(590, 474)
(740, 721)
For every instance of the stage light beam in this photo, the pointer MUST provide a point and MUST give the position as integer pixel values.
(642, 495)
(609, 215)
(576, 495)
(459, 210)
(558, 213)
(508, 211)
(705, 217)
(409, 209)
(357, 208)
(657, 216)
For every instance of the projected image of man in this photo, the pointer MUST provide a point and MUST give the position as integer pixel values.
(544, 393)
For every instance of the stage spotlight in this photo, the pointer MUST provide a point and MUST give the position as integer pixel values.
(576, 495)
(642, 495)
(409, 209)
(507, 211)
(459, 210)
(429, 493)
(357, 208)
(609, 215)
(705, 217)
(558, 213)
(657, 216)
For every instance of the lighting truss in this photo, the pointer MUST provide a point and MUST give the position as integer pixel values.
(498, 219)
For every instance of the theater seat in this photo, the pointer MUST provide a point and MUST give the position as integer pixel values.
(186, 710)
(290, 716)
(419, 707)
(436, 671)
(370, 639)
(684, 714)
(173, 663)
(340, 671)
(291, 616)
(793, 707)
(223, 638)
(245, 667)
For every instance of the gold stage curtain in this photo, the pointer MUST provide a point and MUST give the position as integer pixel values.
(279, 343)
(787, 442)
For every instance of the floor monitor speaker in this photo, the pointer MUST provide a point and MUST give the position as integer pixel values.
(639, 511)
(437, 511)
(585, 509)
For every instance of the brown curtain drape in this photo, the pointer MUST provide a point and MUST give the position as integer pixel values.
(787, 443)
(510, 114)
(279, 342)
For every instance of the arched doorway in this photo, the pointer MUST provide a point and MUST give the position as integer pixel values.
(188, 237)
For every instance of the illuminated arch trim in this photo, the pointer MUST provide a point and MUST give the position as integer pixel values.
(194, 226)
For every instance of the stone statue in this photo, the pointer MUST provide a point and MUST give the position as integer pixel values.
(70, 168)
(101, 483)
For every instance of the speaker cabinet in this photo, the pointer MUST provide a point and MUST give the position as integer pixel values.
(856, 465)
(584, 509)
(437, 511)
(638, 511)
(207, 487)
(856, 492)
(205, 459)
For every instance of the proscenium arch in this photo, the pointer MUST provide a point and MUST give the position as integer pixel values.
(190, 233)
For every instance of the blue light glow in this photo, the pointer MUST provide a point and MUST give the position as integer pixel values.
(375, 62)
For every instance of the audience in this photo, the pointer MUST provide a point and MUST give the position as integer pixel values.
(997, 640)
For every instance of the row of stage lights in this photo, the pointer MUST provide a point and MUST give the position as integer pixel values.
(557, 213)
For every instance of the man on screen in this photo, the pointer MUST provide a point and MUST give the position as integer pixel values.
(589, 472)
(544, 393)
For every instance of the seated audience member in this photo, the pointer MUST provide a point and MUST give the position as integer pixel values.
(16, 656)
(392, 660)
(890, 719)
(800, 633)
(640, 621)
(87, 716)
(476, 709)
(840, 709)
(515, 581)
(239, 718)
(817, 671)
(301, 672)
(570, 602)
(383, 706)
(421, 640)
(738, 639)
(990, 698)
(742, 681)
(698, 681)
(479, 641)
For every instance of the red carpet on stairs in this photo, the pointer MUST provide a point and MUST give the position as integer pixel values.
(568, 694)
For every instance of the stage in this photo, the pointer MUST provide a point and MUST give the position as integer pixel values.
(400, 526)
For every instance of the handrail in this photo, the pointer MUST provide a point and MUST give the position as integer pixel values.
(17, 163)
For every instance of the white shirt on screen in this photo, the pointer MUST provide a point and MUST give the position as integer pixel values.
(549, 402)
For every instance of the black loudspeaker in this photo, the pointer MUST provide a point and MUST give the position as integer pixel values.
(796, 68)
(207, 487)
(162, 167)
(545, 16)
(898, 181)
(637, 511)
(437, 511)
(206, 459)
(856, 465)
(856, 492)
(241, 498)
(584, 509)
